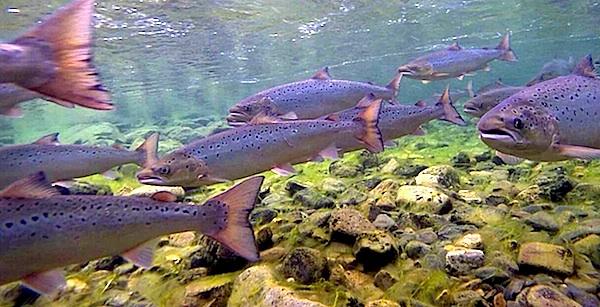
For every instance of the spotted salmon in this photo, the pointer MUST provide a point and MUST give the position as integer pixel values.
(266, 143)
(53, 59)
(309, 99)
(487, 98)
(41, 231)
(455, 61)
(549, 121)
(63, 162)
(553, 69)
(396, 121)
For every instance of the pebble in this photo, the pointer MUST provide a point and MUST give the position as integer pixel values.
(464, 261)
(376, 249)
(384, 280)
(541, 220)
(384, 222)
(546, 257)
(423, 199)
(546, 296)
(347, 224)
(470, 241)
(305, 265)
(443, 176)
(416, 249)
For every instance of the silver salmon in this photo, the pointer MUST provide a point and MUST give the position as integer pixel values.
(487, 98)
(41, 231)
(264, 144)
(549, 121)
(396, 121)
(11, 96)
(309, 99)
(63, 162)
(455, 61)
(53, 59)
(553, 69)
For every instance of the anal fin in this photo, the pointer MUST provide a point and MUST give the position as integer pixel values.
(141, 255)
(284, 169)
(509, 159)
(331, 152)
(47, 283)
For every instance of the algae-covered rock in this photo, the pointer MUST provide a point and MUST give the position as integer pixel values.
(382, 303)
(210, 290)
(410, 170)
(461, 160)
(310, 198)
(347, 224)
(542, 221)
(258, 287)
(421, 198)
(264, 238)
(470, 241)
(464, 261)
(83, 188)
(304, 265)
(590, 246)
(416, 249)
(375, 249)
(545, 296)
(546, 257)
(554, 184)
(215, 257)
(384, 279)
(443, 176)
(384, 222)
(149, 190)
(332, 186)
(344, 169)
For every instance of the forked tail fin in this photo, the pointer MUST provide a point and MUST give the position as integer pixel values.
(370, 135)
(237, 233)
(504, 45)
(148, 151)
(69, 34)
(450, 113)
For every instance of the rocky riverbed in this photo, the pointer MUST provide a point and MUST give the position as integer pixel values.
(434, 221)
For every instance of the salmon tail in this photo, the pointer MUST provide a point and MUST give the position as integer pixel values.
(148, 151)
(68, 32)
(394, 85)
(586, 67)
(504, 45)
(370, 134)
(450, 112)
(237, 233)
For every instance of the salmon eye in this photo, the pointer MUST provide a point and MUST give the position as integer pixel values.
(163, 170)
(518, 123)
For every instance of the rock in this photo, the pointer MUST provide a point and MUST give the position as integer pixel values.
(256, 286)
(310, 198)
(332, 187)
(590, 246)
(149, 190)
(416, 249)
(461, 160)
(208, 291)
(182, 239)
(368, 159)
(264, 239)
(464, 261)
(546, 296)
(215, 257)
(492, 275)
(356, 282)
(375, 249)
(261, 216)
(390, 167)
(305, 265)
(468, 298)
(384, 280)
(513, 288)
(82, 188)
(384, 222)
(427, 236)
(382, 303)
(343, 169)
(117, 298)
(470, 241)
(443, 176)
(293, 187)
(542, 221)
(546, 257)
(421, 198)
(410, 170)
(108, 263)
(347, 224)
(555, 184)
(273, 254)
(451, 231)
(582, 297)
(484, 156)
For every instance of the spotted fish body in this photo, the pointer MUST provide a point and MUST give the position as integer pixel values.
(455, 61)
(62, 162)
(11, 96)
(396, 121)
(553, 69)
(485, 100)
(565, 109)
(258, 147)
(309, 99)
(45, 231)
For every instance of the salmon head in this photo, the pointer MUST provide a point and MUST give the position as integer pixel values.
(176, 169)
(248, 108)
(518, 128)
(417, 68)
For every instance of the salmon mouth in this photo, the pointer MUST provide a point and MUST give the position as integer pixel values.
(498, 135)
(150, 179)
(238, 116)
(471, 109)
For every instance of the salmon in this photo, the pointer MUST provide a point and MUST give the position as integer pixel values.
(309, 99)
(487, 98)
(549, 121)
(11, 96)
(553, 69)
(264, 144)
(64, 162)
(53, 59)
(41, 231)
(456, 61)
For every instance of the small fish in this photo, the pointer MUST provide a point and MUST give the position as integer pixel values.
(63, 162)
(396, 121)
(53, 59)
(42, 231)
(553, 69)
(456, 62)
(266, 143)
(11, 96)
(549, 121)
(309, 99)
(488, 97)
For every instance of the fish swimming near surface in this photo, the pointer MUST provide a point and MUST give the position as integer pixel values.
(266, 143)
(41, 231)
(549, 121)
(488, 97)
(309, 99)
(396, 121)
(64, 162)
(53, 59)
(456, 62)
(553, 69)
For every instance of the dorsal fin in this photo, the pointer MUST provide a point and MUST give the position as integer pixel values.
(34, 186)
(264, 118)
(421, 104)
(50, 139)
(366, 101)
(455, 46)
(322, 74)
(586, 67)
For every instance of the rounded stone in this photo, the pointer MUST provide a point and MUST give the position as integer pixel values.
(416, 249)
(347, 224)
(444, 176)
(305, 265)
(375, 249)
(421, 198)
(544, 296)
(464, 261)
(546, 257)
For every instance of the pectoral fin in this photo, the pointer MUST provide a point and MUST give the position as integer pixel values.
(577, 152)
(331, 152)
(508, 159)
(47, 283)
(141, 255)
(284, 170)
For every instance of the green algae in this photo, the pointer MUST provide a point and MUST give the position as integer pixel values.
(421, 284)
